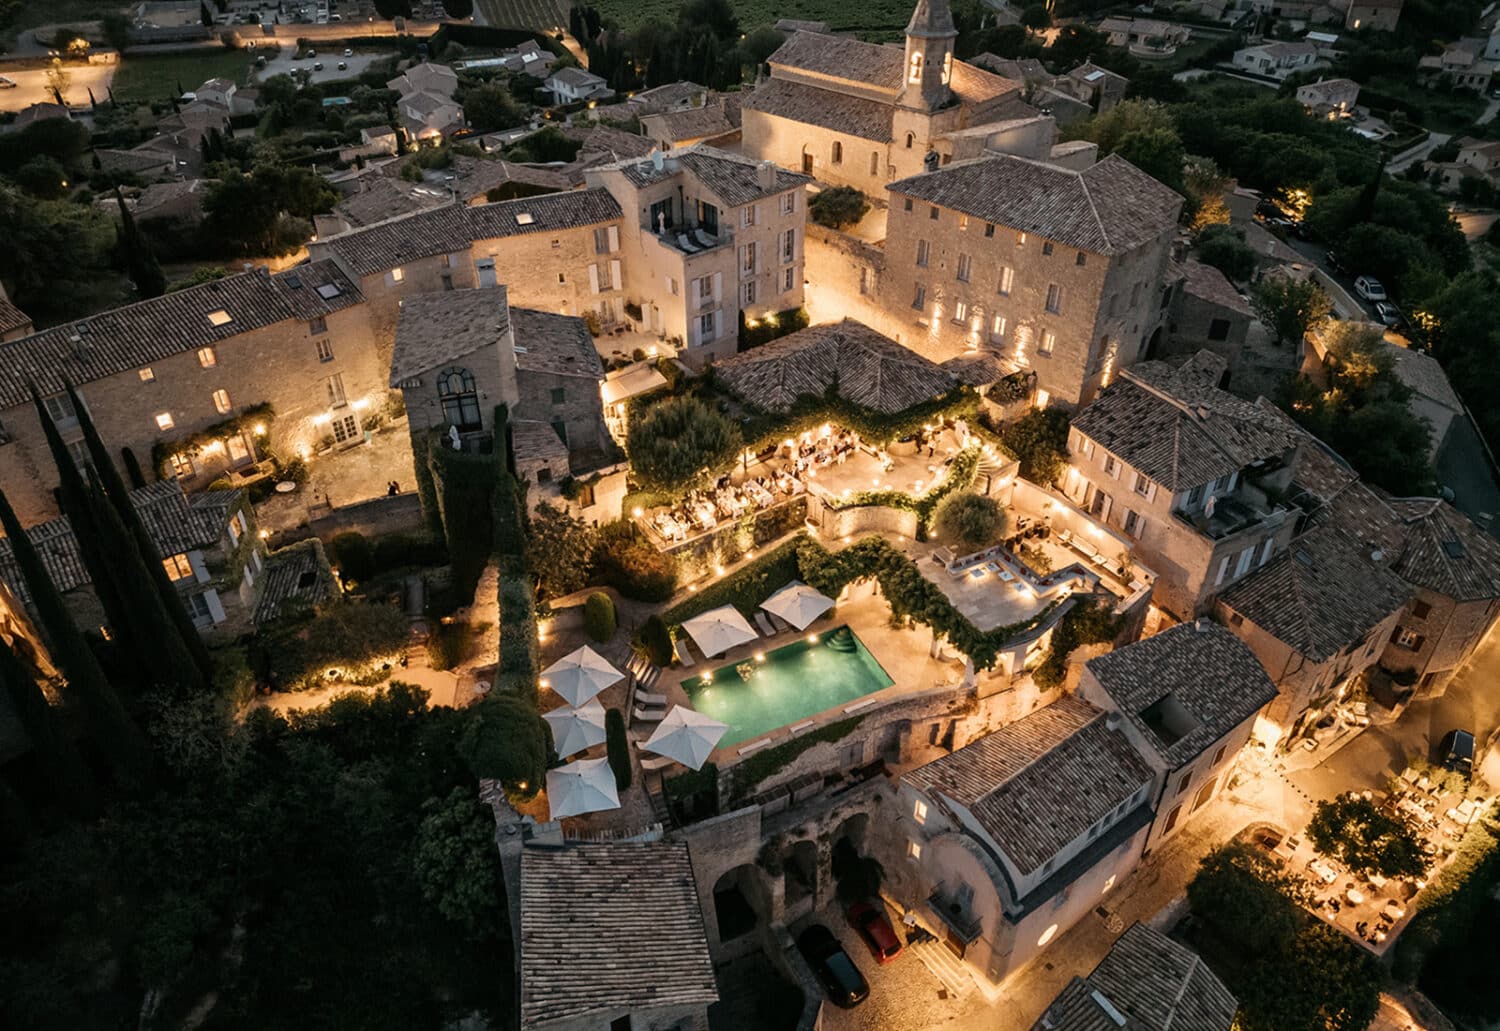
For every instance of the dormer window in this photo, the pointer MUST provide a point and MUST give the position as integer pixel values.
(915, 72)
(220, 318)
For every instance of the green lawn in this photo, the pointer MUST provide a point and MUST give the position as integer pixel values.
(158, 78)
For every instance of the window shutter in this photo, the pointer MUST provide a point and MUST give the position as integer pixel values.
(200, 570)
(718, 320)
(718, 285)
(1151, 492)
(215, 607)
(593, 279)
(1396, 632)
(614, 239)
(614, 273)
(1416, 645)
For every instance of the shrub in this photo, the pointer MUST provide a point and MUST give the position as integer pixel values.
(618, 749)
(672, 444)
(632, 565)
(1224, 248)
(1085, 623)
(506, 740)
(448, 645)
(558, 549)
(354, 556)
(1040, 440)
(398, 550)
(657, 640)
(359, 643)
(599, 616)
(971, 522)
(838, 207)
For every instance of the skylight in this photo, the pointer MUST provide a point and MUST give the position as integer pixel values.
(328, 291)
(220, 317)
(524, 218)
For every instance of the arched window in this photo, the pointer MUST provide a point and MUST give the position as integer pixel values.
(838, 153)
(947, 67)
(459, 398)
(911, 138)
(914, 74)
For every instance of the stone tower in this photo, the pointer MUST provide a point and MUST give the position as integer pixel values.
(928, 73)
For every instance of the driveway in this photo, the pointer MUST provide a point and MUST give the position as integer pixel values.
(283, 64)
(1433, 142)
(31, 85)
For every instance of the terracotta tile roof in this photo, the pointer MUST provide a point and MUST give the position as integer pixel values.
(1040, 783)
(298, 573)
(556, 344)
(1209, 284)
(1421, 371)
(476, 177)
(799, 102)
(871, 370)
(175, 525)
(1149, 980)
(1446, 551)
(1203, 668)
(11, 317)
(389, 244)
(533, 441)
(666, 97)
(610, 927)
(733, 179)
(131, 160)
(606, 139)
(138, 334)
(718, 116)
(1179, 429)
(1321, 596)
(841, 57)
(384, 197)
(437, 328)
(1108, 208)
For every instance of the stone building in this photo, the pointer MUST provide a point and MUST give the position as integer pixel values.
(183, 381)
(1192, 473)
(1053, 270)
(208, 543)
(1146, 982)
(1014, 838)
(1432, 395)
(1190, 696)
(1379, 15)
(1207, 313)
(716, 121)
(611, 936)
(860, 114)
(1329, 98)
(708, 237)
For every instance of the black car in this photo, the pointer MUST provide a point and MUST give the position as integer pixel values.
(840, 978)
(1457, 751)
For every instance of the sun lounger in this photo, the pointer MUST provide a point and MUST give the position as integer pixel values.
(764, 622)
(649, 715)
(780, 624)
(656, 762)
(647, 698)
(685, 654)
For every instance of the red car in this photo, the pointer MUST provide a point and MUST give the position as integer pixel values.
(873, 926)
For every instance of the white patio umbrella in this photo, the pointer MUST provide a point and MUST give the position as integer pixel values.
(580, 675)
(587, 786)
(798, 604)
(687, 736)
(573, 730)
(720, 629)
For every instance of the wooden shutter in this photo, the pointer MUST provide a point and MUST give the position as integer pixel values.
(593, 278)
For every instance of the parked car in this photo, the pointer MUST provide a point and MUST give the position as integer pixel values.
(6, 82)
(343, 66)
(876, 930)
(310, 53)
(317, 66)
(1387, 313)
(1457, 750)
(840, 978)
(348, 52)
(1369, 288)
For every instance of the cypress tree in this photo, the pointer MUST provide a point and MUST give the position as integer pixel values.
(119, 497)
(140, 263)
(67, 775)
(110, 725)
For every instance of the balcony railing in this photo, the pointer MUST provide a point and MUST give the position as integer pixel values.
(693, 239)
(1231, 513)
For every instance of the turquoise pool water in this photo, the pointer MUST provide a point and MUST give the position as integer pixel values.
(794, 682)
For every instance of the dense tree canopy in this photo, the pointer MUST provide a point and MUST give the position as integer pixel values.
(969, 522)
(559, 548)
(1040, 440)
(1354, 831)
(679, 442)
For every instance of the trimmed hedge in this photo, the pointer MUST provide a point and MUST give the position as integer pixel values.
(618, 749)
(520, 659)
(745, 588)
(656, 639)
(625, 560)
(599, 616)
(465, 485)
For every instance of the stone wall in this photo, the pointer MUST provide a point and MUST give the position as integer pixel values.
(731, 540)
(833, 523)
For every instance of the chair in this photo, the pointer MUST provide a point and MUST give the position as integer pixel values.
(764, 622)
(684, 654)
(647, 698)
(649, 715)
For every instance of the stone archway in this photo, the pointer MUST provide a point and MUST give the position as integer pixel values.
(799, 871)
(1153, 346)
(741, 901)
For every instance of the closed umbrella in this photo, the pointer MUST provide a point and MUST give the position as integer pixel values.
(798, 604)
(587, 786)
(573, 730)
(687, 736)
(720, 629)
(580, 675)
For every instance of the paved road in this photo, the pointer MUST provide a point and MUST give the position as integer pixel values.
(31, 85)
(283, 63)
(1434, 141)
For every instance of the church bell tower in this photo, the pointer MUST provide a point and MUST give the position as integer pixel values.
(928, 73)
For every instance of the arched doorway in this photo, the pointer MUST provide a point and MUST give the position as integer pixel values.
(855, 874)
(799, 870)
(740, 901)
(1153, 346)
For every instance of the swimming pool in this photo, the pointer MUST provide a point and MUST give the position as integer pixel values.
(789, 684)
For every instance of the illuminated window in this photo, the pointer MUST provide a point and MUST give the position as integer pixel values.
(207, 358)
(913, 850)
(960, 311)
(997, 328)
(164, 420)
(396, 275)
(1108, 884)
(177, 566)
(919, 811)
(524, 218)
(947, 67)
(325, 350)
(221, 401)
(147, 376)
(1047, 935)
(220, 317)
(1049, 340)
(914, 72)
(1007, 281)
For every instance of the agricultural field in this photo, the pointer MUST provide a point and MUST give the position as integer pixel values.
(872, 19)
(157, 78)
(537, 15)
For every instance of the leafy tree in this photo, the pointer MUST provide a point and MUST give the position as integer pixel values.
(971, 522)
(199, 276)
(838, 206)
(1356, 832)
(458, 8)
(715, 15)
(57, 255)
(546, 146)
(1289, 307)
(115, 27)
(1157, 152)
(505, 739)
(632, 565)
(1036, 16)
(455, 862)
(759, 44)
(559, 550)
(1205, 184)
(492, 107)
(43, 177)
(617, 748)
(1323, 980)
(1085, 623)
(657, 640)
(677, 443)
(1224, 247)
(1246, 897)
(1040, 440)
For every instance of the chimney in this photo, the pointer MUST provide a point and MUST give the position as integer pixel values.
(1201, 624)
(1377, 555)
(1112, 720)
(766, 174)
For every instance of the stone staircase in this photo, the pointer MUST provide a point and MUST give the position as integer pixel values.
(946, 967)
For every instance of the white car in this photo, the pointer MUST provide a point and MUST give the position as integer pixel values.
(6, 82)
(348, 52)
(1369, 288)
